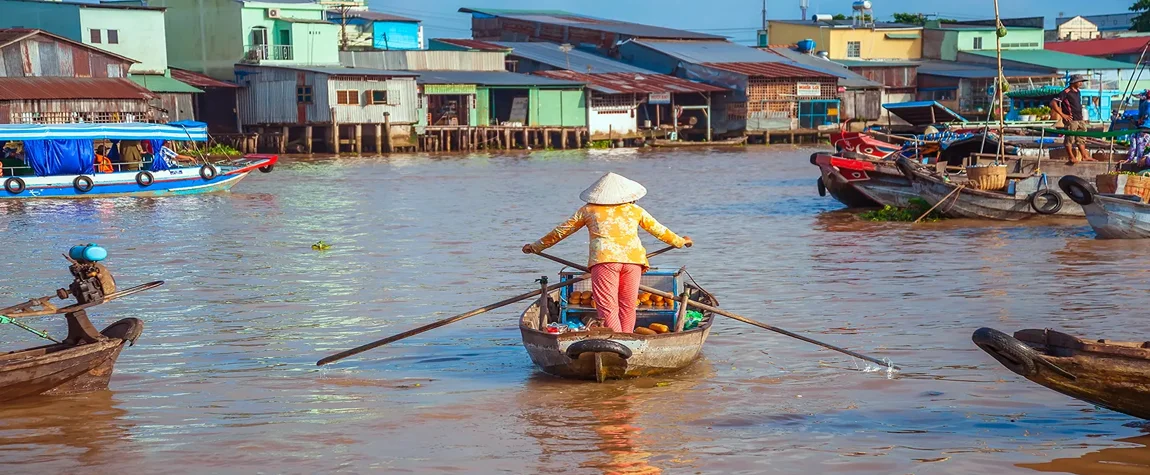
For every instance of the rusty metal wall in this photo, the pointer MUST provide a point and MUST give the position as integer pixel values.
(32, 57)
(173, 107)
(424, 60)
(401, 96)
(90, 110)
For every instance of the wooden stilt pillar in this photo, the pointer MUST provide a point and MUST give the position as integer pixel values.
(387, 133)
(378, 138)
(563, 139)
(283, 139)
(358, 138)
(546, 138)
(307, 139)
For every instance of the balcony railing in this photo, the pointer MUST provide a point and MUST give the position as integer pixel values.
(257, 53)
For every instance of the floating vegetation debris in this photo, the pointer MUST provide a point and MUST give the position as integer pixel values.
(320, 246)
(917, 207)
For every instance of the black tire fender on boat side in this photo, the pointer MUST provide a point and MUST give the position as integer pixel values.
(1013, 354)
(208, 171)
(597, 346)
(15, 185)
(83, 184)
(822, 187)
(127, 329)
(1078, 189)
(1053, 202)
(268, 168)
(145, 178)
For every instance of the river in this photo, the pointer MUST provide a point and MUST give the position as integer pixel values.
(224, 380)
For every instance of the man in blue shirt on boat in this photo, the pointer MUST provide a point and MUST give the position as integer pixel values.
(1067, 109)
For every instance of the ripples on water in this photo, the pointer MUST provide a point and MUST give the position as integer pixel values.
(223, 379)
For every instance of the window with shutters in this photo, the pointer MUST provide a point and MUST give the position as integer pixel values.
(95, 36)
(348, 97)
(113, 37)
(854, 49)
(377, 97)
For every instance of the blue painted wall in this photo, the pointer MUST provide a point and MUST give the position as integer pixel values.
(394, 35)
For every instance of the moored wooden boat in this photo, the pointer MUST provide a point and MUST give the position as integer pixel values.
(861, 182)
(83, 361)
(599, 353)
(983, 204)
(683, 143)
(1114, 375)
(1111, 216)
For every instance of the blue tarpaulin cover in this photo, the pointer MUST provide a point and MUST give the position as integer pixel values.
(60, 157)
(126, 131)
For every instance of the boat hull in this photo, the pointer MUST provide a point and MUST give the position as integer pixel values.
(1107, 374)
(173, 182)
(979, 204)
(863, 183)
(1111, 217)
(63, 369)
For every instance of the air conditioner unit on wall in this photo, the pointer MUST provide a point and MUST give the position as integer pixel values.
(273, 13)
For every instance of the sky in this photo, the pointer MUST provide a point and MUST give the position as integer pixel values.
(737, 19)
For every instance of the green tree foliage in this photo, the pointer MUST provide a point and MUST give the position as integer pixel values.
(920, 19)
(1142, 21)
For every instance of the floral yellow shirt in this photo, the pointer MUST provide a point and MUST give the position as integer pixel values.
(614, 233)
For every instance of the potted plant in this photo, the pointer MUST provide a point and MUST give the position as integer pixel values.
(1044, 113)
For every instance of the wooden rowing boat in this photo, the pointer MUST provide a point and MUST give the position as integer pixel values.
(984, 204)
(599, 353)
(83, 361)
(860, 182)
(682, 143)
(1114, 375)
(1111, 216)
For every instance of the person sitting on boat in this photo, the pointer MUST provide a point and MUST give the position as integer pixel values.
(1138, 144)
(617, 258)
(1067, 109)
(173, 158)
(103, 163)
(130, 154)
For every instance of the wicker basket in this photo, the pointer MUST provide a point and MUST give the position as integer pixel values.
(989, 178)
(1138, 185)
(1107, 183)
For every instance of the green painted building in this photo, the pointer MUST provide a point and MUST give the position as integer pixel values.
(944, 41)
(483, 98)
(211, 36)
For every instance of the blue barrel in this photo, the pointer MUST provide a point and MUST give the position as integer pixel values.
(89, 252)
(806, 45)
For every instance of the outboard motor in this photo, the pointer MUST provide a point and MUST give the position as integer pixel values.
(92, 280)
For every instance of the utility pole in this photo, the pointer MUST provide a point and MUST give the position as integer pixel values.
(761, 36)
(803, 5)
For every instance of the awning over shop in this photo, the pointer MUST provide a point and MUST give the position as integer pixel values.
(923, 112)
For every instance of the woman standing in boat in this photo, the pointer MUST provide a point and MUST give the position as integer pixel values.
(617, 258)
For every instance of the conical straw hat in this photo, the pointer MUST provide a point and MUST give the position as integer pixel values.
(613, 189)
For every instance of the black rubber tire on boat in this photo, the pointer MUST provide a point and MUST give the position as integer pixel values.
(208, 171)
(15, 185)
(822, 187)
(83, 184)
(597, 346)
(145, 178)
(1013, 354)
(1078, 189)
(268, 168)
(127, 329)
(1053, 202)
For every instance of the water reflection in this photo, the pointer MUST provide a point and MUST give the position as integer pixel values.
(62, 432)
(1108, 461)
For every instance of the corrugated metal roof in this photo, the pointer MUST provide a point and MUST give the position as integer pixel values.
(768, 70)
(562, 18)
(710, 52)
(97, 4)
(1055, 60)
(955, 69)
(581, 61)
(1101, 46)
(490, 78)
(373, 16)
(199, 80)
(847, 78)
(472, 44)
(163, 84)
(337, 70)
(48, 88)
(631, 83)
(878, 25)
(310, 21)
(864, 63)
(12, 35)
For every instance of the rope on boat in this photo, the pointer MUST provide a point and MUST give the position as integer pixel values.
(5, 319)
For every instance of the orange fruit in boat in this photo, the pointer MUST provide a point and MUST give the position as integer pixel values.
(645, 297)
(644, 331)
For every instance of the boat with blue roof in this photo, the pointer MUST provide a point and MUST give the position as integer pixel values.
(62, 161)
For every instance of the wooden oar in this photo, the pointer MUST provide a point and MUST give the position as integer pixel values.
(738, 317)
(447, 321)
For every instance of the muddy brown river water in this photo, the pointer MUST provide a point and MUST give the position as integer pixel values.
(224, 378)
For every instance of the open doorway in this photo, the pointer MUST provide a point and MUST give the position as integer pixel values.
(449, 109)
(509, 105)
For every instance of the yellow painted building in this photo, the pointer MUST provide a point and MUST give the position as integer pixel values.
(842, 40)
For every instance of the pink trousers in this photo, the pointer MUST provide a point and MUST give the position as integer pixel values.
(616, 289)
